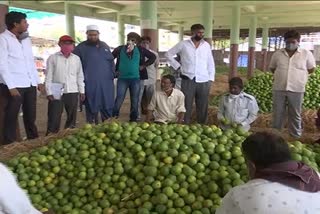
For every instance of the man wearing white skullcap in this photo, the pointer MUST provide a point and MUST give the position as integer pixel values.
(92, 28)
(98, 67)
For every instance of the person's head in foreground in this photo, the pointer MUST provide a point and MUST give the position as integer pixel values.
(292, 39)
(268, 157)
(93, 34)
(235, 85)
(66, 44)
(197, 31)
(167, 83)
(277, 184)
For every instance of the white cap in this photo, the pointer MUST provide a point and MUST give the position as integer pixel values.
(92, 27)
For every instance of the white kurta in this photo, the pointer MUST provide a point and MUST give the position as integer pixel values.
(260, 196)
(13, 200)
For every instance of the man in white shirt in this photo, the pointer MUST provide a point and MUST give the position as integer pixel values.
(291, 67)
(237, 106)
(197, 72)
(277, 184)
(148, 85)
(167, 105)
(64, 76)
(18, 76)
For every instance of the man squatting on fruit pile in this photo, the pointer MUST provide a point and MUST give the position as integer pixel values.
(291, 67)
(167, 105)
(237, 106)
(277, 184)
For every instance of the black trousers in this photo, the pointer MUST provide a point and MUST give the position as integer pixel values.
(55, 109)
(28, 101)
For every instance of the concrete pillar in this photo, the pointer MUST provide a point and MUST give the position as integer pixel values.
(4, 9)
(252, 45)
(149, 22)
(264, 51)
(121, 36)
(181, 33)
(234, 40)
(207, 17)
(70, 29)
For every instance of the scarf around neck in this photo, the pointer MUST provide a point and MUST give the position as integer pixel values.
(293, 174)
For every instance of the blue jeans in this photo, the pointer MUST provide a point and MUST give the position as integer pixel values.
(134, 89)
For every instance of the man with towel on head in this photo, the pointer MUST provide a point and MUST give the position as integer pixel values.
(98, 67)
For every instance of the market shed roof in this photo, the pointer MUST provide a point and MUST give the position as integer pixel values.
(172, 14)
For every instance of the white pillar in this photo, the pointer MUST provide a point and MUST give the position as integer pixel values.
(181, 32)
(69, 20)
(121, 36)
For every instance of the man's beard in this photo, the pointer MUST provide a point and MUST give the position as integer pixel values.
(93, 42)
(198, 38)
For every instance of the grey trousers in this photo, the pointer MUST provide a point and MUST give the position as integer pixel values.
(291, 101)
(200, 93)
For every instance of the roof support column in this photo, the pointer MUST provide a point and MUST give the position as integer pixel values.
(149, 22)
(234, 40)
(252, 45)
(181, 32)
(69, 20)
(4, 9)
(265, 39)
(121, 36)
(207, 17)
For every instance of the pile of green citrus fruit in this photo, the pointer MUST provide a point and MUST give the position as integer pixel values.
(307, 153)
(260, 86)
(139, 168)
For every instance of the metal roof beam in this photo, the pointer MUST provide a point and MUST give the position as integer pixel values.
(50, 2)
(78, 10)
(104, 5)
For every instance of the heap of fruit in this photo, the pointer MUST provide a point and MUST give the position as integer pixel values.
(139, 168)
(260, 86)
(307, 153)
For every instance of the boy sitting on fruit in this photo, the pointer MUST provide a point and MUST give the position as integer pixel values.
(237, 107)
